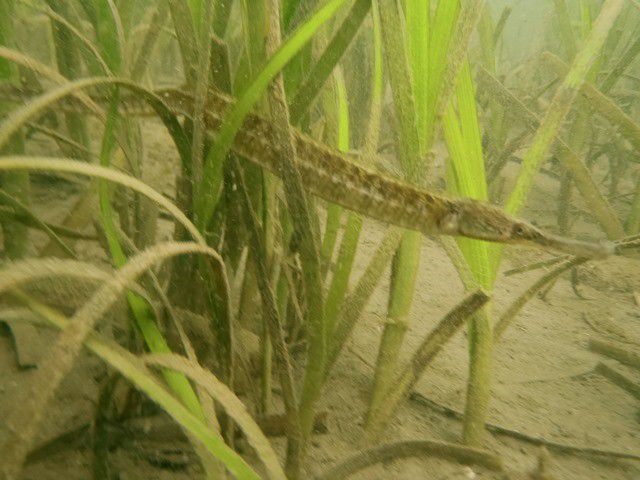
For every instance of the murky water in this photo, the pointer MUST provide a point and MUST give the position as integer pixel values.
(181, 298)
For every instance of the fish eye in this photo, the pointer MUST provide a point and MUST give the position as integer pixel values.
(518, 231)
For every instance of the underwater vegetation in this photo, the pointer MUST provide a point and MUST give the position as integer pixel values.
(211, 198)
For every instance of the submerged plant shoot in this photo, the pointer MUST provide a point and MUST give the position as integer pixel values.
(330, 239)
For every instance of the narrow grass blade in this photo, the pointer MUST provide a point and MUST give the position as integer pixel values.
(511, 312)
(304, 224)
(132, 368)
(565, 29)
(561, 104)
(417, 16)
(625, 60)
(442, 28)
(8, 163)
(633, 219)
(430, 346)
(20, 116)
(351, 234)
(23, 421)
(466, 177)
(185, 32)
(598, 204)
(63, 23)
(322, 69)
(42, 69)
(203, 49)
(146, 50)
(355, 302)
(57, 229)
(232, 405)
(396, 60)
(606, 107)
(233, 120)
(273, 321)
(15, 238)
(33, 269)
(20, 208)
(500, 24)
(407, 449)
(142, 311)
(67, 49)
(109, 33)
(373, 128)
(410, 148)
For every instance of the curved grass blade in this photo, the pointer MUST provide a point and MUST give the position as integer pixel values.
(40, 68)
(21, 115)
(31, 64)
(18, 117)
(23, 421)
(511, 312)
(79, 35)
(412, 448)
(64, 165)
(32, 269)
(162, 110)
(142, 311)
(228, 400)
(132, 368)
